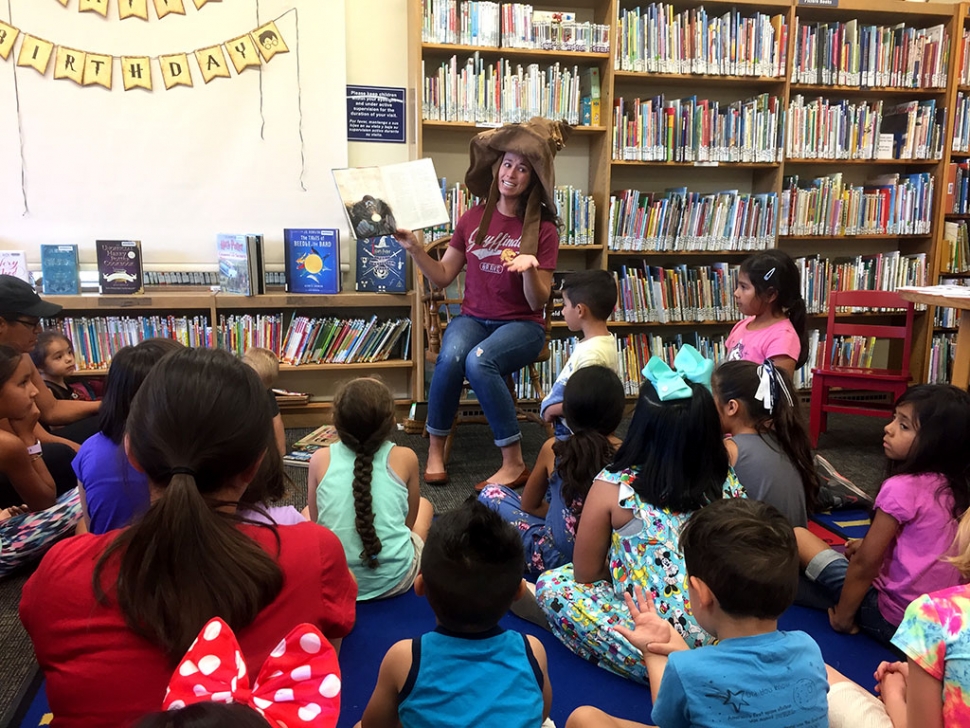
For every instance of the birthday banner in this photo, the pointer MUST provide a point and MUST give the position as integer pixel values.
(136, 8)
(86, 68)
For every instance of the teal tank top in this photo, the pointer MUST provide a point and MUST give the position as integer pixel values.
(389, 498)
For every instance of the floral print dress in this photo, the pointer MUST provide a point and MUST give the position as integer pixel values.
(644, 551)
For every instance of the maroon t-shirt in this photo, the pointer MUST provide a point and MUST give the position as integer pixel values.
(99, 673)
(491, 290)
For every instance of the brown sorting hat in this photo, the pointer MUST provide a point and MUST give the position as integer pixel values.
(537, 140)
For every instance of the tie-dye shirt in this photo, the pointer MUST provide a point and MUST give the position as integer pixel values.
(935, 634)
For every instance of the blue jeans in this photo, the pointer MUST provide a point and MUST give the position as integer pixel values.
(484, 352)
(828, 570)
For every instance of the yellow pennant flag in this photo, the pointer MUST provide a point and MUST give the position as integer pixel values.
(212, 63)
(8, 34)
(35, 53)
(95, 6)
(63, 2)
(242, 51)
(164, 7)
(69, 64)
(200, 3)
(136, 72)
(269, 41)
(175, 70)
(97, 70)
(133, 9)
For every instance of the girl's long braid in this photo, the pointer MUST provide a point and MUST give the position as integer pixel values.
(363, 503)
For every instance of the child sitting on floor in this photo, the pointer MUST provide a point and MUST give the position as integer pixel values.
(588, 299)
(469, 671)
(53, 355)
(915, 518)
(366, 490)
(768, 448)
(548, 512)
(267, 366)
(742, 566)
(672, 462)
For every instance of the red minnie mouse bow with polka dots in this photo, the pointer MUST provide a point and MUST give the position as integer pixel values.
(299, 684)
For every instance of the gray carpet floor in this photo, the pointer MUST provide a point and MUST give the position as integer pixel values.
(852, 445)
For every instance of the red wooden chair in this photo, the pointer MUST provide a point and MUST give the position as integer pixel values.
(829, 377)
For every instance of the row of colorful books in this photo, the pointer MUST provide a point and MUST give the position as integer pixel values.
(334, 340)
(510, 25)
(943, 351)
(879, 272)
(851, 53)
(678, 220)
(658, 38)
(890, 204)
(678, 293)
(240, 332)
(658, 129)
(964, 59)
(948, 318)
(955, 256)
(957, 199)
(961, 123)
(821, 128)
(501, 92)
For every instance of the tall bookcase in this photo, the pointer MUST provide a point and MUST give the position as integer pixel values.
(589, 158)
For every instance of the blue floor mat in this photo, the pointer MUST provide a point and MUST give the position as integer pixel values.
(847, 524)
(574, 681)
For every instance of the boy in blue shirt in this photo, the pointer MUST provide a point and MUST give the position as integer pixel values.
(742, 565)
(468, 671)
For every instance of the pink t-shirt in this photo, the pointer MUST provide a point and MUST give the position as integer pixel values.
(491, 291)
(779, 339)
(926, 530)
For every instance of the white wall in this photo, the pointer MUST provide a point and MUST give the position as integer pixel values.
(173, 168)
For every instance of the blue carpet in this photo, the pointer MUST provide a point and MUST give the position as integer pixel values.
(574, 681)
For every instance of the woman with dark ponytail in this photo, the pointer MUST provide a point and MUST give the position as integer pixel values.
(367, 490)
(769, 296)
(111, 615)
(548, 512)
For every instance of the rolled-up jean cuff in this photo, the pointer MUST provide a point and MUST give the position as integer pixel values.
(509, 440)
(436, 432)
(822, 559)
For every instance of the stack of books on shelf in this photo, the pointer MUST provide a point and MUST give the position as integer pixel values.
(961, 124)
(202, 279)
(659, 39)
(803, 375)
(239, 333)
(963, 62)
(304, 448)
(880, 272)
(344, 341)
(458, 200)
(577, 211)
(955, 256)
(957, 200)
(635, 350)
(286, 397)
(676, 294)
(698, 130)
(852, 54)
(890, 204)
(502, 92)
(828, 129)
(678, 220)
(942, 355)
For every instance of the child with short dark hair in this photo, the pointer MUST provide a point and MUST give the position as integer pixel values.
(742, 565)
(53, 355)
(588, 299)
(267, 366)
(471, 572)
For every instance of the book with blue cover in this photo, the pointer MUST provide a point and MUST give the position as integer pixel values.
(59, 270)
(312, 260)
(381, 265)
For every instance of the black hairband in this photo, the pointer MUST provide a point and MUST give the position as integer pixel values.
(181, 470)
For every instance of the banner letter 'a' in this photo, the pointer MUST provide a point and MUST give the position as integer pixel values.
(8, 34)
(133, 9)
(69, 64)
(97, 70)
(243, 53)
(94, 6)
(269, 41)
(35, 53)
(212, 63)
(136, 72)
(175, 70)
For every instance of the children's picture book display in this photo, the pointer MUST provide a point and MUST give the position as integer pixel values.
(120, 267)
(381, 265)
(59, 270)
(312, 260)
(379, 200)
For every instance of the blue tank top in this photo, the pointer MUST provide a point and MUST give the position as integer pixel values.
(482, 679)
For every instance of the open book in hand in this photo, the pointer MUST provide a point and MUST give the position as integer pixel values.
(379, 200)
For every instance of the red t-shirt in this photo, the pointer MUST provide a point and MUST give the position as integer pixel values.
(99, 673)
(492, 291)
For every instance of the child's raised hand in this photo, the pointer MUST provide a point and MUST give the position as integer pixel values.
(650, 631)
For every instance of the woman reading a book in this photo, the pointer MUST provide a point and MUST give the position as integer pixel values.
(508, 248)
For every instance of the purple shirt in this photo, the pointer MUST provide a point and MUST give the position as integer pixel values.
(116, 494)
(280, 515)
(923, 505)
(779, 339)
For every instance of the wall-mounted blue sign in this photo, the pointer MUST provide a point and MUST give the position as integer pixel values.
(375, 114)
